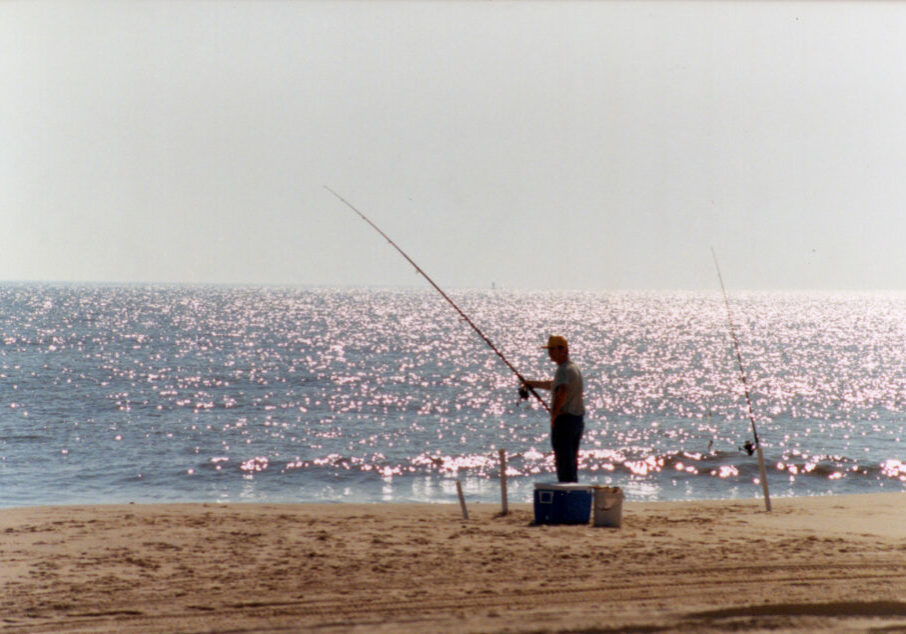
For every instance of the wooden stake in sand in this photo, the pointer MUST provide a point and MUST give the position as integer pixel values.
(462, 501)
(503, 501)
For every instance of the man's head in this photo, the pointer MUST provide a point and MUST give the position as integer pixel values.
(557, 349)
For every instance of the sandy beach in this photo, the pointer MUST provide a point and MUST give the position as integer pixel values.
(832, 563)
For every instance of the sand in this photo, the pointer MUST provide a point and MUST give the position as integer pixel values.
(833, 563)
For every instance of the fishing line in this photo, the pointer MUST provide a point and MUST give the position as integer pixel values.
(745, 385)
(445, 296)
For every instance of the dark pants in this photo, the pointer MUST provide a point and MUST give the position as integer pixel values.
(565, 436)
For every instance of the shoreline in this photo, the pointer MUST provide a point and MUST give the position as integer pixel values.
(816, 562)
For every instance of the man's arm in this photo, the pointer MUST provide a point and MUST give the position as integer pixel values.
(559, 400)
(540, 385)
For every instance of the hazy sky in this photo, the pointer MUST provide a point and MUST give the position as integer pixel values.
(531, 144)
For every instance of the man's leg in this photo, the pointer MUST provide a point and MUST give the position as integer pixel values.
(565, 438)
(560, 443)
(578, 427)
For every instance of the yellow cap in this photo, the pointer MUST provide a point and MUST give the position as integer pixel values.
(556, 341)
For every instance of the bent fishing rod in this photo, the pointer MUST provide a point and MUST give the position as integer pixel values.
(444, 295)
(745, 385)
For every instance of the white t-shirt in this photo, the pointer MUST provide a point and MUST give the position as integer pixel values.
(568, 374)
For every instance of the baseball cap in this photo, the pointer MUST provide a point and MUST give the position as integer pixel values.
(556, 341)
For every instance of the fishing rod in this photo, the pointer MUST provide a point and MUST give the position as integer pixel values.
(745, 385)
(446, 297)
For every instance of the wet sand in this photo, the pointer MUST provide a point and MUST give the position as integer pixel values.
(833, 563)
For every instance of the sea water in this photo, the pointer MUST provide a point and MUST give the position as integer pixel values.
(174, 393)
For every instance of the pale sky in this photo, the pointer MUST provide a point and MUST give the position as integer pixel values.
(593, 145)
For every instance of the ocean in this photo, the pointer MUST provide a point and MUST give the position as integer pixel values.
(151, 393)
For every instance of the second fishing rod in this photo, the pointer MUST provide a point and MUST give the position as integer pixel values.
(445, 296)
(745, 385)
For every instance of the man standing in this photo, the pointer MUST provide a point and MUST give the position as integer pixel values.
(567, 409)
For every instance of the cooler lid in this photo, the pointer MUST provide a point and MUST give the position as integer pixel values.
(562, 486)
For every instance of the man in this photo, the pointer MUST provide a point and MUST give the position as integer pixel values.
(567, 409)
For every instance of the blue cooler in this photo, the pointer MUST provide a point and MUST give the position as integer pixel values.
(566, 503)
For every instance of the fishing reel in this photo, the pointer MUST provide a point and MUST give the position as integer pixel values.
(523, 393)
(749, 447)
